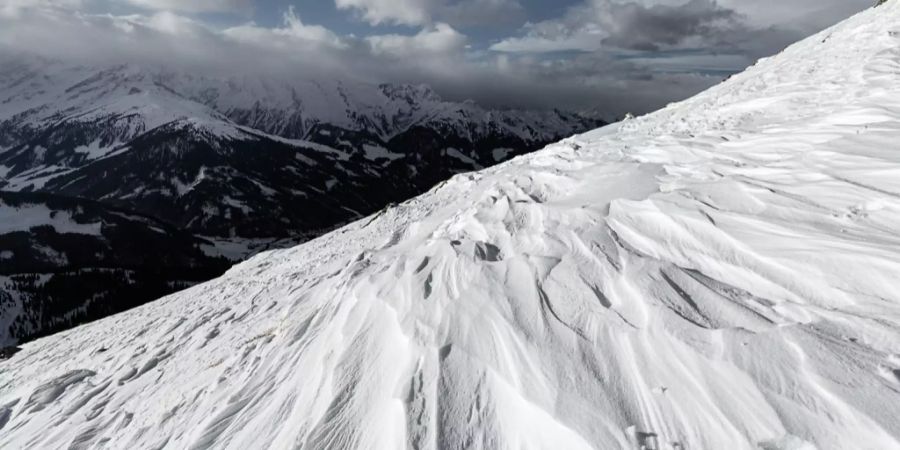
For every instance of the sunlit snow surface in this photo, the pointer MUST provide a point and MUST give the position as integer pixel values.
(723, 274)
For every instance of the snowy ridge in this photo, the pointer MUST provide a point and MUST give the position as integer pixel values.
(720, 274)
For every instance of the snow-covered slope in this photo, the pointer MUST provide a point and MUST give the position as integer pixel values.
(720, 274)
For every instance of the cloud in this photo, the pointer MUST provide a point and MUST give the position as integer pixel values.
(438, 55)
(668, 46)
(376, 12)
(428, 12)
(12, 8)
(600, 24)
(802, 15)
(435, 41)
(293, 33)
(661, 25)
(657, 27)
(611, 55)
(292, 48)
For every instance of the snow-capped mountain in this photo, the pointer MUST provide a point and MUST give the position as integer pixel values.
(719, 274)
(36, 91)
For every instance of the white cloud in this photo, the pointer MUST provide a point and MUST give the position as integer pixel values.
(555, 36)
(407, 12)
(436, 41)
(294, 32)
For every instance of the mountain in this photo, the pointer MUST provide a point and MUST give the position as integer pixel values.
(246, 163)
(251, 157)
(719, 274)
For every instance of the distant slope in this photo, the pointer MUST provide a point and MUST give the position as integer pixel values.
(66, 261)
(721, 274)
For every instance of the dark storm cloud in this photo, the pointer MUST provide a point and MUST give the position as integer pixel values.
(608, 25)
(656, 27)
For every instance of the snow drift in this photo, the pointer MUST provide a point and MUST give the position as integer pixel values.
(720, 274)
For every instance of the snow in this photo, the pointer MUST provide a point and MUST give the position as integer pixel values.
(237, 204)
(718, 275)
(36, 178)
(302, 145)
(86, 93)
(305, 159)
(267, 191)
(452, 152)
(95, 150)
(24, 218)
(237, 249)
(376, 152)
(182, 188)
(39, 152)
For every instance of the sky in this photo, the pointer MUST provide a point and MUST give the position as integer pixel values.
(613, 56)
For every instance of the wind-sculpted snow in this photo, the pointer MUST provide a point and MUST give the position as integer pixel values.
(718, 275)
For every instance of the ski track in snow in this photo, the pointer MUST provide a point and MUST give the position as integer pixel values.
(720, 274)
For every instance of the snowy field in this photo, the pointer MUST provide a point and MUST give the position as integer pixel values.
(23, 218)
(722, 274)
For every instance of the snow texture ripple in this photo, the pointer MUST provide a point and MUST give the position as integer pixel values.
(721, 274)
